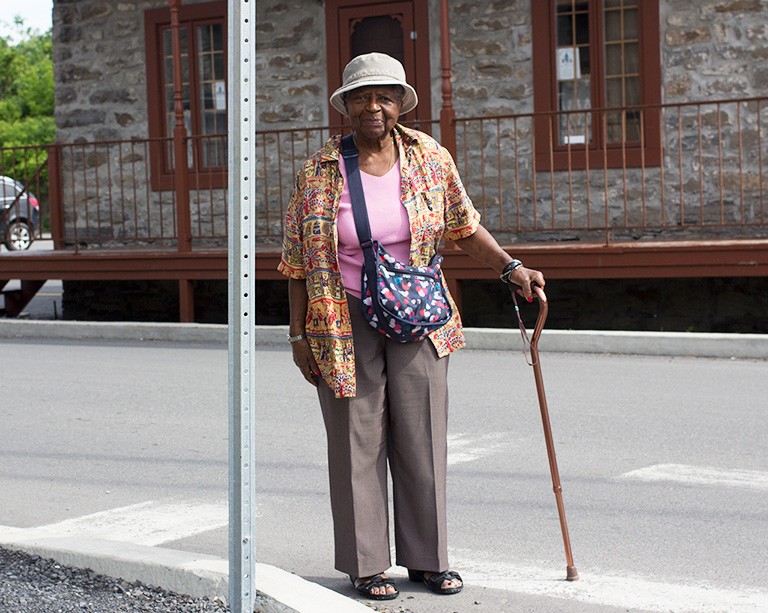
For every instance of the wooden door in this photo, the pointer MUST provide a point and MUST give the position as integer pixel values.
(400, 29)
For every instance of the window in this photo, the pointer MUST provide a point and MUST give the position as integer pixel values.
(597, 79)
(204, 91)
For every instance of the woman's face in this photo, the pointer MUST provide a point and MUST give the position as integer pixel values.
(373, 110)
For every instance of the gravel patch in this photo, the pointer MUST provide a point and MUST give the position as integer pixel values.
(31, 584)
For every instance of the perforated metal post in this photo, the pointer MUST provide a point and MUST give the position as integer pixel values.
(242, 345)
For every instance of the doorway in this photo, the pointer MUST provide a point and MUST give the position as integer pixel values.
(399, 29)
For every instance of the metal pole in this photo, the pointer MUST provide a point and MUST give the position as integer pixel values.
(242, 295)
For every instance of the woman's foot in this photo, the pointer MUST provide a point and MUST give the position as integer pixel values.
(447, 582)
(377, 587)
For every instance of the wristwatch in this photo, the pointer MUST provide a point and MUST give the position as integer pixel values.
(294, 339)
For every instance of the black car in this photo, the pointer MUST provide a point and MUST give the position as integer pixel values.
(19, 215)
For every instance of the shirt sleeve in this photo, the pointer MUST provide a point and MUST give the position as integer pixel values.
(461, 217)
(292, 260)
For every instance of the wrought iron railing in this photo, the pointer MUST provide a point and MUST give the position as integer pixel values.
(122, 193)
(702, 176)
(706, 178)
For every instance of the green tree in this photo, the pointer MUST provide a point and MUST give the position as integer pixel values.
(26, 90)
(26, 108)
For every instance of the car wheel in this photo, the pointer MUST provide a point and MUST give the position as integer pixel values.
(18, 236)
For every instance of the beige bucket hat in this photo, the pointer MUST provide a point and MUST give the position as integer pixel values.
(374, 69)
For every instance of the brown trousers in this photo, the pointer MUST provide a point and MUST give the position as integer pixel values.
(400, 414)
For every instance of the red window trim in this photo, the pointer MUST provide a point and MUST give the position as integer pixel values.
(550, 156)
(155, 20)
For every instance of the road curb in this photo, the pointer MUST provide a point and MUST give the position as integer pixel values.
(704, 345)
(197, 575)
(112, 330)
(741, 346)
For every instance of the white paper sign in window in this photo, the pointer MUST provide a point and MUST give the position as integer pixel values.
(568, 65)
(220, 95)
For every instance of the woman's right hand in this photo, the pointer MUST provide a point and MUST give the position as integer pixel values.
(303, 358)
(302, 352)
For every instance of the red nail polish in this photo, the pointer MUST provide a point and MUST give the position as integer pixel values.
(530, 299)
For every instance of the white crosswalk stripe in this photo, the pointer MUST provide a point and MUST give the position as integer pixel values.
(700, 475)
(627, 592)
(146, 523)
(466, 448)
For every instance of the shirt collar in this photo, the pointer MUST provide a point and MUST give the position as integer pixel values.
(330, 152)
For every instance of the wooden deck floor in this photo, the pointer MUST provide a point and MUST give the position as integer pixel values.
(731, 258)
(737, 258)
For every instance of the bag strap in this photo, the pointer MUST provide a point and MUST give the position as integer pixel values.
(356, 194)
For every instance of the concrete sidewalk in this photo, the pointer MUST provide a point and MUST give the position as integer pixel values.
(280, 591)
(739, 346)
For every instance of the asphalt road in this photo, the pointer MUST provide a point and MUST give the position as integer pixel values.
(664, 465)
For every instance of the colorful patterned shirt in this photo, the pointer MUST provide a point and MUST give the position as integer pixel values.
(438, 208)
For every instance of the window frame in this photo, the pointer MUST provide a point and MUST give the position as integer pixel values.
(155, 22)
(597, 154)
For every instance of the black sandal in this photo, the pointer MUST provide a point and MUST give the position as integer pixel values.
(436, 580)
(377, 581)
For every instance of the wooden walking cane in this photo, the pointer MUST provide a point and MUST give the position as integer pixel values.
(571, 573)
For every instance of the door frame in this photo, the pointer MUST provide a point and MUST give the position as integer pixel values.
(416, 51)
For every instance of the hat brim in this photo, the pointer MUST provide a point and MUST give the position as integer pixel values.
(410, 100)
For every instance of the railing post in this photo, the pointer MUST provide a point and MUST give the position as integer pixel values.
(447, 112)
(181, 168)
(55, 201)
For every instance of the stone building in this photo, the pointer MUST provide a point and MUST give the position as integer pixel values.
(504, 64)
(595, 121)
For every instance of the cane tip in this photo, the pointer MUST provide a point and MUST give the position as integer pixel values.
(571, 574)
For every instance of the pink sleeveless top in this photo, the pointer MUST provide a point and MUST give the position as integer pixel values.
(387, 217)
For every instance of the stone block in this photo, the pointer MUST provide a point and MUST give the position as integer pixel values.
(688, 36)
(678, 88)
(124, 120)
(80, 117)
(71, 73)
(118, 96)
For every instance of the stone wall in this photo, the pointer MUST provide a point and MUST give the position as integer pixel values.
(291, 67)
(491, 57)
(714, 49)
(100, 71)
(710, 50)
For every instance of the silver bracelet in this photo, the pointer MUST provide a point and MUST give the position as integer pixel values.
(294, 339)
(511, 267)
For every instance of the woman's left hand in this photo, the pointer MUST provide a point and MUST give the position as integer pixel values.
(526, 278)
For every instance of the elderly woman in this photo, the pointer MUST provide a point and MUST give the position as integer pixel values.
(382, 401)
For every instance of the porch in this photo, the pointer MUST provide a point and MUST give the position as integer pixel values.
(699, 210)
